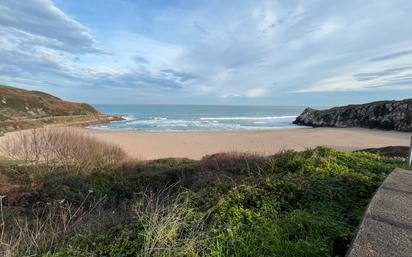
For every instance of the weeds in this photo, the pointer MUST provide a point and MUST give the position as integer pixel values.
(290, 204)
(53, 148)
(170, 226)
(47, 227)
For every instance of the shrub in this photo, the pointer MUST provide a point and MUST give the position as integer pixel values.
(60, 147)
(162, 224)
(236, 162)
(290, 204)
(50, 226)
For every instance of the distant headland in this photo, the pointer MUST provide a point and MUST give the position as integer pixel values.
(24, 109)
(386, 115)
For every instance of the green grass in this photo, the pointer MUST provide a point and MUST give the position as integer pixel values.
(24, 104)
(3, 117)
(10, 126)
(291, 204)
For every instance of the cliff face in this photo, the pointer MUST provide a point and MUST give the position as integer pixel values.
(387, 115)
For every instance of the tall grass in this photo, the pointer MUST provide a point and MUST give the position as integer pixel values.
(48, 226)
(169, 225)
(162, 223)
(234, 204)
(60, 147)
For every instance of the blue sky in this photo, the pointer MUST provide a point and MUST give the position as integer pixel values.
(209, 52)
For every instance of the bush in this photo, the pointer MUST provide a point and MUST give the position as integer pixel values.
(60, 147)
(51, 225)
(161, 224)
(290, 204)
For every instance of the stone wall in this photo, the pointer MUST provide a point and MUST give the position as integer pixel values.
(386, 228)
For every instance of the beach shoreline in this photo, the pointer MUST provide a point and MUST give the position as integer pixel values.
(194, 145)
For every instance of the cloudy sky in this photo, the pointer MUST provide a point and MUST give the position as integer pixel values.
(286, 52)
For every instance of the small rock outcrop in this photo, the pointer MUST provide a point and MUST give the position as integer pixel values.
(386, 115)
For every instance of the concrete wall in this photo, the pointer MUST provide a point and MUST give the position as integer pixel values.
(386, 228)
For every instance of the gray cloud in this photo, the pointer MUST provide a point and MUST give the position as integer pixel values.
(44, 67)
(200, 28)
(306, 46)
(137, 80)
(378, 74)
(180, 76)
(391, 56)
(35, 34)
(39, 22)
(271, 26)
(393, 83)
(140, 59)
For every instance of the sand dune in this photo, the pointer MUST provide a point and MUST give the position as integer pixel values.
(154, 145)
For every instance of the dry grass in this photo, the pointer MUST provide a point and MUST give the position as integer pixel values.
(241, 161)
(169, 225)
(60, 147)
(50, 226)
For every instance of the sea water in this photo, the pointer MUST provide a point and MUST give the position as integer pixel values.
(199, 117)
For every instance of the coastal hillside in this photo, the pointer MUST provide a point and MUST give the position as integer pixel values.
(18, 103)
(387, 115)
(22, 109)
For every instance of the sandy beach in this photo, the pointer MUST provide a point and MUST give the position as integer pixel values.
(194, 145)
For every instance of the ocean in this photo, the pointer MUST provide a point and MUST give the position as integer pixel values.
(198, 117)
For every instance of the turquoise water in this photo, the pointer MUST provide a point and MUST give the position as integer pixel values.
(199, 117)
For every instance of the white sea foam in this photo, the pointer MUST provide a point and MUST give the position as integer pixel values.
(126, 118)
(207, 124)
(248, 118)
(200, 118)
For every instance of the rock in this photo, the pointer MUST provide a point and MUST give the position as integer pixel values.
(386, 115)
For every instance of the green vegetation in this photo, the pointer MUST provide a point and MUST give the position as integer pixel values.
(18, 103)
(3, 117)
(23, 109)
(290, 204)
(385, 115)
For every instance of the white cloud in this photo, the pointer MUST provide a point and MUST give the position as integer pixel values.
(256, 92)
(41, 45)
(307, 46)
(40, 22)
(211, 50)
(251, 93)
(391, 71)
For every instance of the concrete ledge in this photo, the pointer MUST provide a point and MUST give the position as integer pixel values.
(386, 228)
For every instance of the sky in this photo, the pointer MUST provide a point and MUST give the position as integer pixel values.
(286, 52)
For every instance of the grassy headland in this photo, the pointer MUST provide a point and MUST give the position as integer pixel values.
(230, 204)
(23, 109)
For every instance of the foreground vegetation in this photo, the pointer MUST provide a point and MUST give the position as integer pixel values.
(231, 204)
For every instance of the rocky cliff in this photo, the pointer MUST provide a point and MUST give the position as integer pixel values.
(387, 115)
